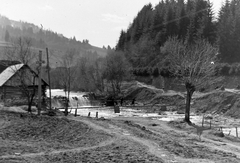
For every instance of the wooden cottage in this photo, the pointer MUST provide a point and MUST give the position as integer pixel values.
(18, 81)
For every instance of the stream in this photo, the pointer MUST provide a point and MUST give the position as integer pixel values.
(81, 101)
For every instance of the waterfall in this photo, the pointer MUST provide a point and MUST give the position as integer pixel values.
(80, 100)
(75, 98)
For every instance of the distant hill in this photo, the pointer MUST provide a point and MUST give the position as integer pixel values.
(41, 38)
(100, 51)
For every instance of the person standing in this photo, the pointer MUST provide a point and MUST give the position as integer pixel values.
(133, 101)
(121, 101)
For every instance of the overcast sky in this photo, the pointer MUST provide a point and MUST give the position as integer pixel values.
(99, 21)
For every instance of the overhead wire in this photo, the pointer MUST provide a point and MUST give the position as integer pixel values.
(168, 22)
(171, 21)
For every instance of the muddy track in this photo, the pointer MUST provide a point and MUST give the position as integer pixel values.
(74, 150)
(157, 150)
(151, 146)
(121, 133)
(118, 133)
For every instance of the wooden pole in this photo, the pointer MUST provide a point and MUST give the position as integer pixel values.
(40, 83)
(96, 114)
(76, 110)
(236, 132)
(49, 80)
(203, 121)
(89, 114)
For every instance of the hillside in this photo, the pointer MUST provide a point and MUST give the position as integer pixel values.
(219, 102)
(42, 38)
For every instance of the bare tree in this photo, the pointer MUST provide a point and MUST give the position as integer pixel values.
(67, 74)
(95, 72)
(116, 70)
(26, 80)
(194, 65)
(21, 50)
(83, 72)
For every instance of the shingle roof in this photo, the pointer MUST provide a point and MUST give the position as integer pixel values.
(6, 63)
(7, 73)
(9, 68)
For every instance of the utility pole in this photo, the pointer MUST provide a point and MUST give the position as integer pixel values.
(40, 83)
(49, 80)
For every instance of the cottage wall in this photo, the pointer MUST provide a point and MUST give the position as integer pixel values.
(18, 83)
(14, 95)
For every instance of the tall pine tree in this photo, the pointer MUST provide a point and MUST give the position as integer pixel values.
(228, 32)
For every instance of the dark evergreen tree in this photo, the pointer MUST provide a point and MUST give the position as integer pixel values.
(121, 41)
(228, 32)
(158, 19)
(171, 21)
(183, 23)
(158, 31)
(190, 20)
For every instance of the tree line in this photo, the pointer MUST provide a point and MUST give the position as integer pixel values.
(187, 20)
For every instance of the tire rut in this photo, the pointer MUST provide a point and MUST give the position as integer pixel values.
(79, 149)
(152, 147)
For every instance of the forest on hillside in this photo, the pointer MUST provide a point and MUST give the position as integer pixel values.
(190, 21)
(11, 30)
(40, 38)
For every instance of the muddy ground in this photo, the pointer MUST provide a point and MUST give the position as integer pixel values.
(28, 138)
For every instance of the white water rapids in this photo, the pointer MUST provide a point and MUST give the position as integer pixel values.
(75, 98)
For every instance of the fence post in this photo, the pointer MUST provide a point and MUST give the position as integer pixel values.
(75, 112)
(96, 114)
(236, 132)
(203, 121)
(229, 132)
(89, 114)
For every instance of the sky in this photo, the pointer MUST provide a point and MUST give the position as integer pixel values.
(99, 21)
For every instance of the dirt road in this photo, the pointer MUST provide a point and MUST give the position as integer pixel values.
(131, 139)
(139, 130)
(121, 133)
(18, 142)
